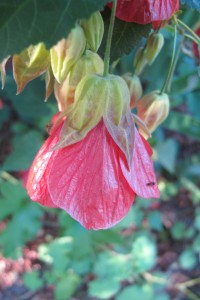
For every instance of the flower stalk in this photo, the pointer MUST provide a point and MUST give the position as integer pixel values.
(109, 39)
(172, 62)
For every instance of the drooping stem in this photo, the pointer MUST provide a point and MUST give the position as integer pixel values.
(193, 34)
(170, 71)
(109, 39)
(178, 52)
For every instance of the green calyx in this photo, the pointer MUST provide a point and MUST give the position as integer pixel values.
(98, 97)
(88, 63)
(65, 54)
(93, 29)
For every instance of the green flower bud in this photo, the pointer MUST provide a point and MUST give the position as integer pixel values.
(155, 43)
(135, 88)
(153, 109)
(139, 61)
(94, 29)
(88, 63)
(67, 52)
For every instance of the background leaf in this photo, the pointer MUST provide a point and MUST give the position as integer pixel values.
(46, 21)
(195, 4)
(126, 36)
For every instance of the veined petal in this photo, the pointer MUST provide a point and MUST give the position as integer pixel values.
(86, 180)
(38, 173)
(145, 11)
(141, 177)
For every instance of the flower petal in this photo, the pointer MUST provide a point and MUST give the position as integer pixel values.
(141, 177)
(37, 178)
(145, 11)
(86, 180)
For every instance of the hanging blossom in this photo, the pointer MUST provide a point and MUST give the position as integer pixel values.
(94, 162)
(146, 11)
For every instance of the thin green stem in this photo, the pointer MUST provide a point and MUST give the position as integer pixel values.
(183, 25)
(174, 64)
(170, 71)
(109, 39)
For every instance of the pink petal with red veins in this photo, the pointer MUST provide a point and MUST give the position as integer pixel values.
(141, 177)
(86, 180)
(145, 11)
(37, 178)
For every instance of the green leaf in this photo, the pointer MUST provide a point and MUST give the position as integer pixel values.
(155, 220)
(178, 230)
(184, 124)
(12, 196)
(167, 153)
(57, 253)
(188, 259)
(126, 36)
(30, 105)
(22, 228)
(32, 280)
(196, 244)
(25, 148)
(137, 292)
(103, 289)
(143, 253)
(113, 265)
(26, 22)
(66, 286)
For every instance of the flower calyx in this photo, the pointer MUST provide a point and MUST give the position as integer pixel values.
(153, 109)
(97, 97)
(93, 29)
(67, 52)
(135, 88)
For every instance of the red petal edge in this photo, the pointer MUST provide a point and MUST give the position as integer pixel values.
(86, 180)
(37, 178)
(141, 177)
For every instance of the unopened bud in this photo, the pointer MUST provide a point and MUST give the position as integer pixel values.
(155, 43)
(94, 29)
(67, 52)
(139, 61)
(88, 63)
(153, 109)
(135, 88)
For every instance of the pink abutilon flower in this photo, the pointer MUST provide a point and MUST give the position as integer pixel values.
(146, 11)
(90, 179)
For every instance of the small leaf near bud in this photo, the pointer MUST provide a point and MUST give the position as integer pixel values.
(94, 29)
(155, 43)
(139, 61)
(135, 88)
(88, 63)
(67, 52)
(153, 109)
(29, 64)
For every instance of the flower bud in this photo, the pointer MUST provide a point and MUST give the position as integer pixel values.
(67, 52)
(153, 109)
(94, 29)
(139, 61)
(155, 43)
(135, 88)
(88, 63)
